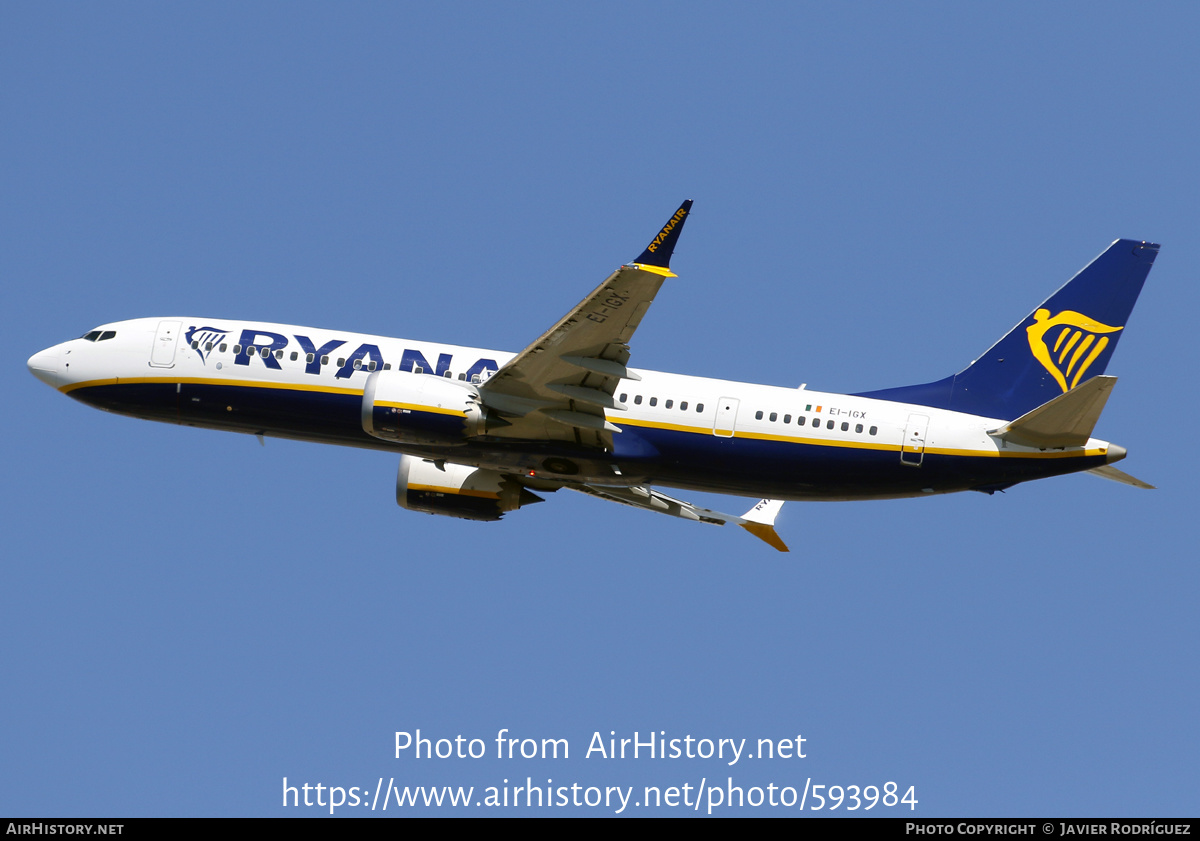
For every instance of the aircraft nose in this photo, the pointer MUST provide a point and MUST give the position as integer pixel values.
(46, 366)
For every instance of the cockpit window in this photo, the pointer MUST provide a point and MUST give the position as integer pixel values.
(91, 336)
(106, 335)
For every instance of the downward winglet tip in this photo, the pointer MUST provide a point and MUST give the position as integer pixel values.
(658, 252)
(760, 522)
(767, 534)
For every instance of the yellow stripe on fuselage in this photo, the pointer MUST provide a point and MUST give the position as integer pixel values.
(326, 389)
(323, 389)
(624, 421)
(861, 445)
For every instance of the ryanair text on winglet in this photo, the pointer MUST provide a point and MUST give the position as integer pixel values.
(662, 235)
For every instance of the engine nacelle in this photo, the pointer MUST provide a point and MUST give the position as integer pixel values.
(456, 490)
(421, 409)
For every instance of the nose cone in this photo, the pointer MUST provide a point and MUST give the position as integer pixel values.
(47, 366)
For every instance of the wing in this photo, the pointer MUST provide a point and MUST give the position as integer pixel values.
(759, 520)
(559, 387)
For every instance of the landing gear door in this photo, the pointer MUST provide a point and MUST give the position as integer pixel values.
(726, 421)
(162, 352)
(912, 449)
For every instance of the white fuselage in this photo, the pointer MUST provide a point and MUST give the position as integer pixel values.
(676, 430)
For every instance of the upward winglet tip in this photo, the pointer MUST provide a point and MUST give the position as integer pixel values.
(658, 252)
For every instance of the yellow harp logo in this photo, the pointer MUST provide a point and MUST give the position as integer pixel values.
(1075, 344)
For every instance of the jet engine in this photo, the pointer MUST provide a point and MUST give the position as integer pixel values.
(456, 490)
(421, 409)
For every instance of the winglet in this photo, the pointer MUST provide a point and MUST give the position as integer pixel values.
(658, 253)
(760, 522)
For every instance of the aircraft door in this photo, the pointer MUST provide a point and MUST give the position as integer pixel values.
(912, 448)
(726, 420)
(162, 352)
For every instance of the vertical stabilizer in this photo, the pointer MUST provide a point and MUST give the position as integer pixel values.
(1065, 341)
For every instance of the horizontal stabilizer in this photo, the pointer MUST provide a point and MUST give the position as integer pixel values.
(1107, 471)
(1065, 421)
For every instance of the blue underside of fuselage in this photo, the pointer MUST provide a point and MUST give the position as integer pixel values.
(738, 465)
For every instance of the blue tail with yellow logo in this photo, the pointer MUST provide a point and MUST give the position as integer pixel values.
(1065, 341)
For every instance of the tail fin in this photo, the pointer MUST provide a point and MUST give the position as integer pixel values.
(1066, 340)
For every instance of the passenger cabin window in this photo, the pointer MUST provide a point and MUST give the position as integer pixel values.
(683, 406)
(325, 360)
(699, 407)
(774, 417)
(653, 401)
(829, 424)
(787, 418)
(224, 347)
(758, 415)
(858, 427)
(669, 403)
(625, 398)
(295, 356)
(800, 420)
(845, 426)
(637, 399)
(873, 430)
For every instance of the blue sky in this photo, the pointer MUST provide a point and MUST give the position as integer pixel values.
(881, 192)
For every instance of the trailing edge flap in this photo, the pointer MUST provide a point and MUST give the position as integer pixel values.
(1065, 421)
(1107, 471)
(759, 520)
(559, 387)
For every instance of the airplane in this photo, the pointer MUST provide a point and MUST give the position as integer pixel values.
(480, 433)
